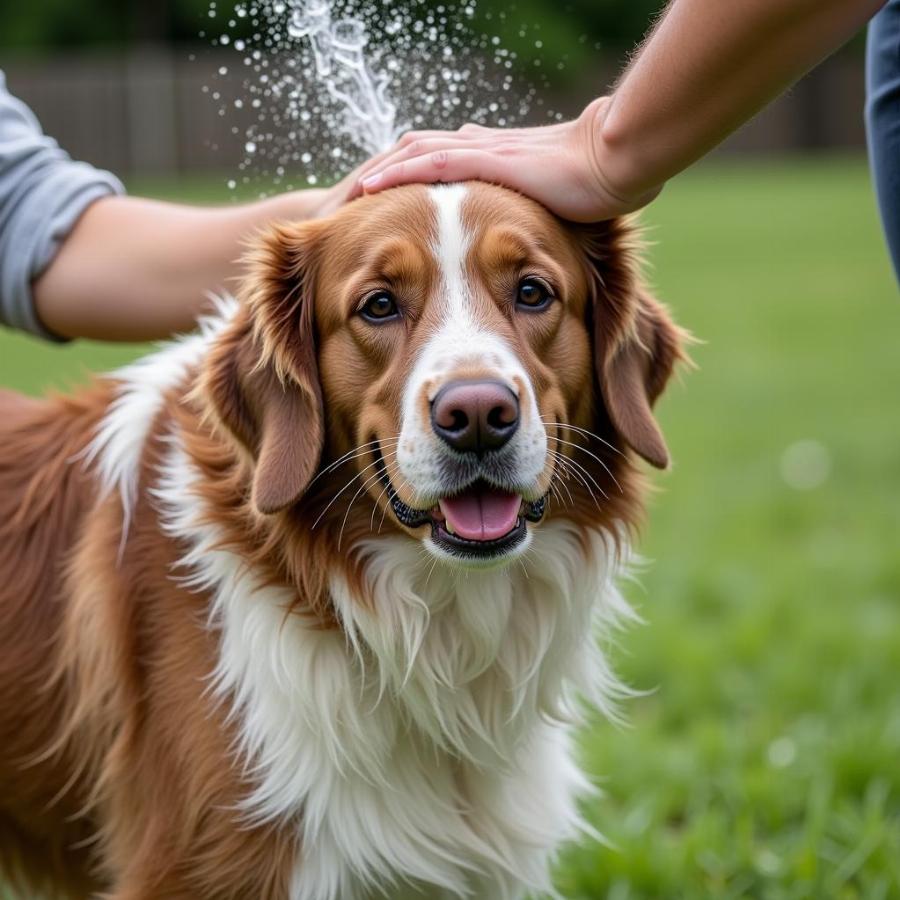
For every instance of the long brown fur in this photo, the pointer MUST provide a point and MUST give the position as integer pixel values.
(117, 770)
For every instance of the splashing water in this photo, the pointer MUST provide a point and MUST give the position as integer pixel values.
(329, 82)
(341, 64)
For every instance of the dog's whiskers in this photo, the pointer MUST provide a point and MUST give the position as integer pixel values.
(350, 455)
(572, 472)
(376, 504)
(558, 479)
(594, 456)
(586, 472)
(584, 431)
(567, 464)
(334, 499)
(389, 470)
(414, 498)
(362, 487)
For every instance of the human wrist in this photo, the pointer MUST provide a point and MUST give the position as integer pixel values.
(292, 205)
(616, 164)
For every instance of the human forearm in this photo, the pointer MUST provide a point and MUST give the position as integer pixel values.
(707, 67)
(135, 269)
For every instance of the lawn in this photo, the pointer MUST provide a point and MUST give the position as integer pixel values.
(764, 760)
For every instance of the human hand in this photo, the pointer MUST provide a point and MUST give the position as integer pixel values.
(566, 167)
(314, 203)
(309, 203)
(329, 200)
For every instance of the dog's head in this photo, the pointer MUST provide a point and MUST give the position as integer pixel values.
(455, 357)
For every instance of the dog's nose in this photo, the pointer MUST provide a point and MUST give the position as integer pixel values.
(475, 416)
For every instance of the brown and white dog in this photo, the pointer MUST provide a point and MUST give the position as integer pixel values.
(302, 606)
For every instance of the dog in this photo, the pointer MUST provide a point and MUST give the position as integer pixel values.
(304, 605)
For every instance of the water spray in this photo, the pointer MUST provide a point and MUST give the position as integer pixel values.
(328, 83)
(338, 52)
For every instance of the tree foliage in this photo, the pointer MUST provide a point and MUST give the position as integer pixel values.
(575, 27)
(47, 25)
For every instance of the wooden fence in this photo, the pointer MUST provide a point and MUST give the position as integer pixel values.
(146, 111)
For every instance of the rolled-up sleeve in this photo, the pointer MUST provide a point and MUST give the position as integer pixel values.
(43, 193)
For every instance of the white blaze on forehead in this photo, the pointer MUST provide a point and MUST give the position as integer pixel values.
(451, 248)
(462, 337)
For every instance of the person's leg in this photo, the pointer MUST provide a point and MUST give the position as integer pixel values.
(883, 119)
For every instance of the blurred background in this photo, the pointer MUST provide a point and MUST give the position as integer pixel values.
(120, 82)
(762, 760)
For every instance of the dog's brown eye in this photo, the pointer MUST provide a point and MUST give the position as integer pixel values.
(380, 307)
(533, 294)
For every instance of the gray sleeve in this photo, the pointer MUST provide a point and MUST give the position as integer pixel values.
(42, 195)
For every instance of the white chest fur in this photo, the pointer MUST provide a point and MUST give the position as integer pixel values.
(428, 743)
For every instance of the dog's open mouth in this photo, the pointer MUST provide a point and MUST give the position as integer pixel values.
(481, 520)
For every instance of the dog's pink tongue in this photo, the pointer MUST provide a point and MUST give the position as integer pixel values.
(483, 514)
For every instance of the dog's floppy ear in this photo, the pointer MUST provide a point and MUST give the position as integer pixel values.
(262, 377)
(636, 344)
(634, 372)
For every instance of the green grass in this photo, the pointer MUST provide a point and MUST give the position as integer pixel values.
(765, 761)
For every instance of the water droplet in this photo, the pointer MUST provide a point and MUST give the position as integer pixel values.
(805, 465)
(781, 752)
(768, 863)
(401, 65)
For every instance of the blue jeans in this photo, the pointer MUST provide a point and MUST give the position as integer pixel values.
(883, 119)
